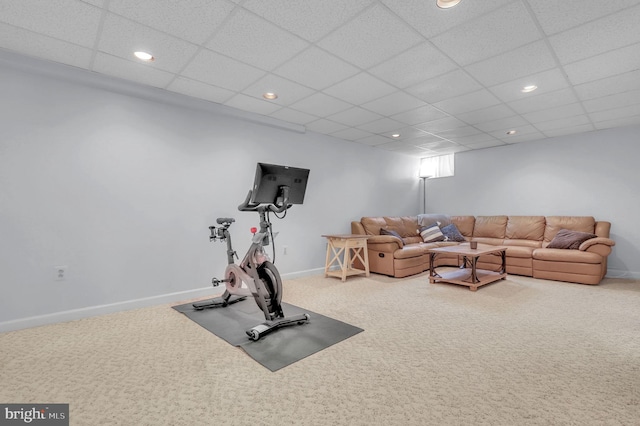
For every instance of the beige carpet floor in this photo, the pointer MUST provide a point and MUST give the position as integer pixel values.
(517, 352)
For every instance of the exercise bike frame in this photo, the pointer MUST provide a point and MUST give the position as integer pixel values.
(255, 276)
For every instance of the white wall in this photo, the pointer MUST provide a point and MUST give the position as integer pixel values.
(591, 174)
(121, 189)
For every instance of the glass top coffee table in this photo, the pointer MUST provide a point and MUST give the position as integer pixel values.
(468, 274)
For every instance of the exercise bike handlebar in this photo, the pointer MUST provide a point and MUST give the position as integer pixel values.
(248, 206)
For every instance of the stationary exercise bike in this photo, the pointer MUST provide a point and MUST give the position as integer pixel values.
(255, 276)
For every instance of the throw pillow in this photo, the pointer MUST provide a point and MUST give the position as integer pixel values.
(384, 231)
(431, 234)
(566, 239)
(451, 233)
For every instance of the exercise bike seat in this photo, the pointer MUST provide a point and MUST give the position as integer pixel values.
(223, 220)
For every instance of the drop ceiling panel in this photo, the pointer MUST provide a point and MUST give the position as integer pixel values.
(605, 65)
(414, 66)
(547, 81)
(121, 37)
(381, 126)
(492, 113)
(218, 70)
(632, 120)
(386, 66)
(557, 16)
(441, 124)
(618, 100)
(502, 125)
(288, 91)
(325, 126)
(544, 101)
(68, 20)
(632, 111)
(430, 20)
(310, 19)
(446, 86)
(521, 62)
(252, 40)
(549, 114)
(469, 102)
(132, 71)
(419, 115)
(191, 20)
(351, 134)
(563, 123)
(552, 133)
(316, 68)
(44, 47)
(354, 116)
(395, 103)
(360, 88)
(599, 36)
(361, 42)
(485, 36)
(320, 104)
(609, 85)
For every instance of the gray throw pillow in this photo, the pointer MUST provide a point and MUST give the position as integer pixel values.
(451, 233)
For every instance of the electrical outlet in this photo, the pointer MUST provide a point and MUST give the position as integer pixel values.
(60, 273)
(284, 250)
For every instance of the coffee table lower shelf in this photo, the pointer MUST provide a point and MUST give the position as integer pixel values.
(464, 277)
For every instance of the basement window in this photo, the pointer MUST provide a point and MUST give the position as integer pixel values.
(435, 167)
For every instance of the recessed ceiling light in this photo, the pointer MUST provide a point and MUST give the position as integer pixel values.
(527, 89)
(511, 132)
(395, 135)
(270, 96)
(144, 56)
(446, 4)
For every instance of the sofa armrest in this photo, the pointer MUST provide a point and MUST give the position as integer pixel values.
(599, 245)
(385, 243)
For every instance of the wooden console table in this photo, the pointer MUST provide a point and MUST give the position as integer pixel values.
(343, 250)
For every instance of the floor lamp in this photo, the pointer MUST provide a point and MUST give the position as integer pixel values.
(424, 192)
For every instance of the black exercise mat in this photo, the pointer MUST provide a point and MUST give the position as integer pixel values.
(279, 348)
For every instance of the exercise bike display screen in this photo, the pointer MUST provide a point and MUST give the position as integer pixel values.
(270, 179)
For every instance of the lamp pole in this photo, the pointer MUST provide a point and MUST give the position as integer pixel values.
(424, 192)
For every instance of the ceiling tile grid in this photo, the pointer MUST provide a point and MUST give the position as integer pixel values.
(440, 80)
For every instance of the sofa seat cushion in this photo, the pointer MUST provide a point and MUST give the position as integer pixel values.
(562, 255)
(520, 251)
(413, 250)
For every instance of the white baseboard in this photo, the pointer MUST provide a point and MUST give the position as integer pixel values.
(619, 273)
(92, 311)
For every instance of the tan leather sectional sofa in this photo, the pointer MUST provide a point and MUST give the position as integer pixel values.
(526, 239)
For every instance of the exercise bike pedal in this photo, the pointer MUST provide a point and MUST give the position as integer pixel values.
(216, 282)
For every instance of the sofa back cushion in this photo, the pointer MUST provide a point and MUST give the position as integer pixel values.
(490, 227)
(525, 228)
(464, 224)
(572, 223)
(406, 226)
(429, 219)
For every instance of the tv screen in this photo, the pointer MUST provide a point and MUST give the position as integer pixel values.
(270, 180)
